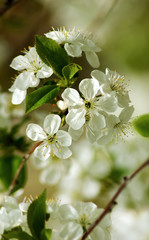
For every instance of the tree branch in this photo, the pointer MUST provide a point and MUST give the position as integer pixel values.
(7, 5)
(24, 159)
(126, 180)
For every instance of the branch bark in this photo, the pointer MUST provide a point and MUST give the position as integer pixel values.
(112, 202)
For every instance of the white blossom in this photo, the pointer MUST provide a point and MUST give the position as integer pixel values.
(116, 127)
(54, 142)
(75, 42)
(79, 217)
(31, 69)
(112, 81)
(87, 108)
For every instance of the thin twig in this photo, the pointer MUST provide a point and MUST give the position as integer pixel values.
(112, 201)
(24, 159)
(7, 5)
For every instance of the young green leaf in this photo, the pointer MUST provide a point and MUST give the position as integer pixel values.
(70, 70)
(36, 216)
(52, 54)
(17, 234)
(9, 164)
(141, 125)
(41, 96)
(46, 234)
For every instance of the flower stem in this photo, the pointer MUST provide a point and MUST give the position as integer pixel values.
(24, 160)
(112, 202)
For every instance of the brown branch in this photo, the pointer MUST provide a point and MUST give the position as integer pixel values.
(7, 5)
(112, 201)
(24, 159)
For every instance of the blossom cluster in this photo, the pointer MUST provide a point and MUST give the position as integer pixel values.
(62, 217)
(101, 106)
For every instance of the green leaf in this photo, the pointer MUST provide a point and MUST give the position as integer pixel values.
(70, 70)
(36, 216)
(141, 125)
(52, 54)
(17, 234)
(41, 96)
(8, 167)
(46, 234)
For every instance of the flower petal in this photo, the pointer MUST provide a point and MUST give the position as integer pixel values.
(97, 122)
(91, 135)
(63, 138)
(75, 134)
(68, 213)
(73, 50)
(44, 72)
(100, 76)
(72, 97)
(25, 80)
(18, 96)
(76, 118)
(126, 114)
(43, 151)
(71, 231)
(20, 63)
(97, 233)
(89, 88)
(92, 59)
(52, 123)
(105, 138)
(108, 103)
(35, 132)
(61, 152)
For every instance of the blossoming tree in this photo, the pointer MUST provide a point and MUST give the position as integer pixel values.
(100, 107)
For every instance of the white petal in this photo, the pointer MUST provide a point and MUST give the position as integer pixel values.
(35, 132)
(91, 135)
(87, 208)
(10, 203)
(108, 103)
(20, 63)
(71, 97)
(76, 118)
(89, 88)
(112, 120)
(63, 138)
(61, 152)
(92, 59)
(75, 134)
(73, 50)
(97, 122)
(25, 80)
(68, 213)
(100, 76)
(98, 233)
(15, 217)
(106, 138)
(123, 100)
(43, 151)
(126, 114)
(52, 123)
(71, 231)
(44, 72)
(51, 175)
(18, 96)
